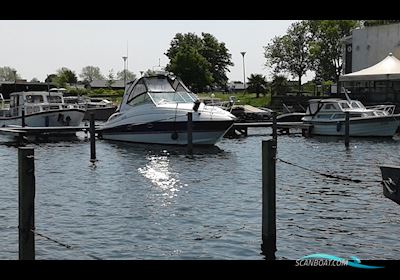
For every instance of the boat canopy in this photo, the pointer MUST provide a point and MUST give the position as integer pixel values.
(158, 88)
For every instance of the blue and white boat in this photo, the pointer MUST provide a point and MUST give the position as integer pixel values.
(328, 118)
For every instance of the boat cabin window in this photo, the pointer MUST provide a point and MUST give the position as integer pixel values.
(324, 116)
(338, 116)
(344, 105)
(330, 106)
(34, 99)
(54, 99)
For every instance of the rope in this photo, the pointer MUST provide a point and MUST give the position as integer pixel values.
(64, 245)
(330, 175)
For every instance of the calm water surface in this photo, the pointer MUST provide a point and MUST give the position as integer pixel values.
(154, 202)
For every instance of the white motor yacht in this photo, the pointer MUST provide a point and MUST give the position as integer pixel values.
(40, 109)
(328, 118)
(154, 109)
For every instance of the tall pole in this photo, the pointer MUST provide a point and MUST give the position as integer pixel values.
(124, 58)
(244, 74)
(15, 80)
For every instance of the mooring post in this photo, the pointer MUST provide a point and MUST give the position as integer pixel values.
(274, 127)
(268, 245)
(190, 133)
(92, 138)
(23, 117)
(347, 130)
(26, 203)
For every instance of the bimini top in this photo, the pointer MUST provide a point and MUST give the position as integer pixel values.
(157, 88)
(387, 69)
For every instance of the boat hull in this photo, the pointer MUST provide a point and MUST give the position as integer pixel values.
(170, 133)
(100, 114)
(70, 117)
(380, 126)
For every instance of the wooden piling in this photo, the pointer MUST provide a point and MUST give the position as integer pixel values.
(268, 245)
(26, 203)
(190, 133)
(92, 139)
(274, 127)
(23, 117)
(347, 130)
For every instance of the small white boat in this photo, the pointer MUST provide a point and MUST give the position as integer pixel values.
(154, 110)
(40, 109)
(328, 118)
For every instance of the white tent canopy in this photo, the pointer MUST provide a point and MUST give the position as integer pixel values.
(387, 69)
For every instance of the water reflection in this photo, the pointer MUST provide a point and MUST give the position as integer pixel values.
(158, 171)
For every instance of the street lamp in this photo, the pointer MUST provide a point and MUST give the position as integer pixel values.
(124, 57)
(244, 74)
(15, 80)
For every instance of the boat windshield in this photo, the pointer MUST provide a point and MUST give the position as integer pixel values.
(357, 105)
(162, 91)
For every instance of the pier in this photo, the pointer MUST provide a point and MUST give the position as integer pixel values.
(241, 129)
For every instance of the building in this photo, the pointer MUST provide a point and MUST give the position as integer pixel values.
(103, 84)
(369, 45)
(235, 86)
(370, 56)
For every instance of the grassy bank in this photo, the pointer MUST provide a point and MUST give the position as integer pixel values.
(241, 99)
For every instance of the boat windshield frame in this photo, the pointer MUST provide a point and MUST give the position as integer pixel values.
(175, 91)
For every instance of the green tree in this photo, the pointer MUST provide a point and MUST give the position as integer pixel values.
(326, 46)
(64, 76)
(192, 68)
(35, 80)
(90, 73)
(257, 83)
(51, 78)
(110, 78)
(207, 46)
(279, 85)
(130, 76)
(8, 74)
(290, 53)
(219, 58)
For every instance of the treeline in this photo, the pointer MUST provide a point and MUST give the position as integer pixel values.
(203, 61)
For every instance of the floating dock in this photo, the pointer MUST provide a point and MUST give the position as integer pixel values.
(241, 129)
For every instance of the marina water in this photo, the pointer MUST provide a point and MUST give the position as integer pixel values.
(154, 202)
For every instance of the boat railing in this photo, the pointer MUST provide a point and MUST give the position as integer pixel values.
(388, 109)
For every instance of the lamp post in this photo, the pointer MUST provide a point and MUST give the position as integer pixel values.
(15, 80)
(244, 74)
(124, 58)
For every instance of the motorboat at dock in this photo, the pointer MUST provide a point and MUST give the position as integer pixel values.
(328, 118)
(40, 109)
(154, 109)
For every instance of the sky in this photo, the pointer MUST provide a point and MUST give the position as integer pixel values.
(36, 48)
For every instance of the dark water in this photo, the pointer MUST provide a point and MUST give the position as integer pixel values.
(154, 202)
